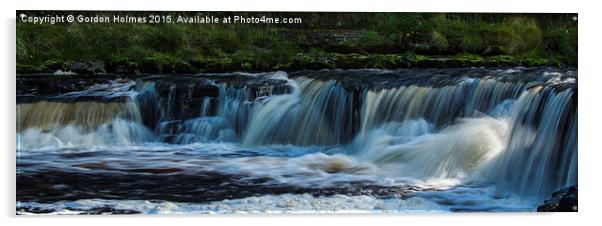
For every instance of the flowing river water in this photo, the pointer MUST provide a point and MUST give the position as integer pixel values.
(422, 140)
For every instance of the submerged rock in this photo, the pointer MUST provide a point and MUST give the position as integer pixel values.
(563, 200)
(81, 211)
(35, 210)
(103, 210)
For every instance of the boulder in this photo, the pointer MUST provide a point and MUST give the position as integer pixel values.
(88, 67)
(562, 200)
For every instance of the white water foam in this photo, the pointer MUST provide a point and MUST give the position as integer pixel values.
(454, 152)
(117, 132)
(286, 203)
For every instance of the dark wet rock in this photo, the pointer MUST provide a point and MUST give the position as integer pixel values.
(103, 210)
(168, 130)
(81, 211)
(35, 210)
(563, 200)
(189, 90)
(258, 84)
(325, 38)
(88, 67)
(432, 77)
(32, 88)
(156, 170)
(176, 98)
(61, 72)
(178, 186)
(564, 86)
(191, 86)
(173, 97)
(421, 47)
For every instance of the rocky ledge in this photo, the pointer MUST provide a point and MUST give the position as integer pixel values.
(563, 200)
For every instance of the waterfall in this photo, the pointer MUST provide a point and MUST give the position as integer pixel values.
(46, 115)
(59, 124)
(436, 104)
(315, 113)
(205, 129)
(517, 131)
(542, 148)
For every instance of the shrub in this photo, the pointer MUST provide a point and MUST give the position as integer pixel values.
(519, 35)
(373, 38)
(564, 41)
(166, 38)
(225, 39)
(438, 41)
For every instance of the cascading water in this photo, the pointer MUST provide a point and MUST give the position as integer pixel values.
(445, 130)
(80, 123)
(315, 113)
(542, 148)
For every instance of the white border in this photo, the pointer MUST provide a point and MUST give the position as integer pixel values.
(589, 111)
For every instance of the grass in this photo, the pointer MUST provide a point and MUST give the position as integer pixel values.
(171, 48)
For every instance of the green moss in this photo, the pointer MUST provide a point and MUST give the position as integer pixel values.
(418, 58)
(206, 64)
(468, 57)
(27, 68)
(386, 61)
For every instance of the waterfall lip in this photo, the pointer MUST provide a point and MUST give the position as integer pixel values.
(119, 90)
(386, 79)
(379, 79)
(108, 91)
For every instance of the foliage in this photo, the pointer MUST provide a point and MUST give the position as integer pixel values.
(166, 48)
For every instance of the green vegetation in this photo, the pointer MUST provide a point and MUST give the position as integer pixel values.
(324, 40)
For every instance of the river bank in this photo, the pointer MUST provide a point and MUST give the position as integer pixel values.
(321, 41)
(300, 61)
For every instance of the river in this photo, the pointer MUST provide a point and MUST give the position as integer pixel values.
(408, 140)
